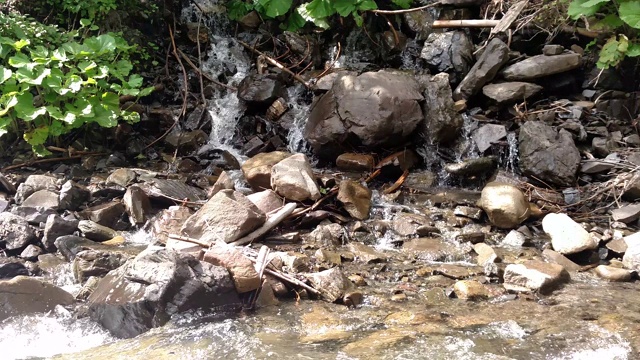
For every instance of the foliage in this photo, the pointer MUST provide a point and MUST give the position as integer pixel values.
(622, 17)
(317, 12)
(52, 82)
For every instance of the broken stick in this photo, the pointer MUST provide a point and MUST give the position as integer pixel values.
(271, 222)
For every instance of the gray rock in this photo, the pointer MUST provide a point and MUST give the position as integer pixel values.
(406, 224)
(505, 205)
(468, 211)
(72, 196)
(615, 274)
(356, 198)
(486, 254)
(6, 184)
(43, 198)
(450, 52)
(106, 214)
(31, 252)
(35, 183)
(535, 275)
(432, 249)
(419, 22)
(15, 231)
(89, 263)
(137, 204)
(332, 284)
(257, 170)
(370, 110)
(567, 236)
(70, 245)
(632, 190)
(442, 123)
(366, 254)
(226, 217)
(557, 258)
(55, 227)
(94, 231)
(548, 155)
(244, 275)
(495, 55)
(224, 182)
(169, 190)
(12, 267)
(293, 179)
(631, 258)
(473, 167)
(155, 285)
(25, 295)
(541, 65)
(185, 141)
(261, 89)
(552, 49)
(488, 134)
(33, 215)
(169, 221)
(326, 235)
(511, 92)
(626, 214)
(267, 201)
(596, 166)
(122, 177)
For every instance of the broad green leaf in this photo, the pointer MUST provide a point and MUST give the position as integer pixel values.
(32, 77)
(358, 19)
(39, 52)
(101, 44)
(40, 150)
(20, 60)
(8, 103)
(59, 55)
(609, 22)
(633, 50)
(368, 5)
(5, 122)
(21, 43)
(5, 74)
(146, 91)
(610, 54)
(85, 22)
(37, 136)
(344, 7)
(56, 128)
(630, 13)
(319, 22)
(131, 92)
(319, 9)
(577, 9)
(111, 100)
(85, 66)
(294, 22)
(131, 117)
(590, 3)
(25, 109)
(276, 8)
(53, 82)
(135, 81)
(74, 83)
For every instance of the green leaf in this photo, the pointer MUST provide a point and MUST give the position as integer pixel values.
(365, 5)
(403, 4)
(319, 22)
(590, 3)
(101, 44)
(358, 19)
(21, 43)
(40, 150)
(56, 129)
(5, 74)
(85, 22)
(609, 22)
(319, 9)
(236, 9)
(135, 81)
(577, 9)
(630, 13)
(34, 76)
(612, 52)
(344, 7)
(19, 60)
(633, 50)
(37, 136)
(5, 122)
(25, 109)
(9, 102)
(146, 91)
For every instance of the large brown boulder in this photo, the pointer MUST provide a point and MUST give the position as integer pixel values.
(293, 179)
(371, 110)
(257, 170)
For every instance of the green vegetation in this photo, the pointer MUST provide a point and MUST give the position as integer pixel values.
(53, 81)
(620, 17)
(318, 12)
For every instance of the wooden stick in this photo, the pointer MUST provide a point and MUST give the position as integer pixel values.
(272, 222)
(403, 11)
(275, 63)
(398, 183)
(291, 280)
(188, 239)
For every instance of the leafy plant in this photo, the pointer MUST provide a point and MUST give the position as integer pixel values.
(622, 17)
(52, 82)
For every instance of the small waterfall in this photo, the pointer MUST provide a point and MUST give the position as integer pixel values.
(299, 110)
(512, 153)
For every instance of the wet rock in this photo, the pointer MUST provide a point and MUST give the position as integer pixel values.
(55, 227)
(137, 204)
(89, 287)
(292, 262)
(224, 182)
(618, 246)
(12, 267)
(186, 141)
(35, 183)
(45, 199)
(442, 123)
(451, 271)
(567, 236)
(470, 290)
(15, 231)
(155, 285)
(122, 177)
(379, 341)
(535, 275)
(257, 170)
(106, 214)
(486, 254)
(450, 51)
(169, 190)
(473, 167)
(332, 284)
(473, 237)
(430, 249)
(70, 245)
(406, 224)
(468, 211)
(611, 273)
(541, 65)
(293, 179)
(31, 252)
(267, 200)
(487, 135)
(72, 196)
(261, 89)
(94, 231)
(184, 247)
(355, 162)
(419, 22)
(169, 221)
(548, 155)
(505, 205)
(326, 235)
(329, 258)
(356, 198)
(33, 215)
(557, 258)
(89, 263)
(25, 295)
(495, 55)
(626, 214)
(370, 110)
(226, 217)
(510, 92)
(366, 254)
(243, 273)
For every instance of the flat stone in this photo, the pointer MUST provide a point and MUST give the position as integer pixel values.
(495, 55)
(169, 221)
(366, 253)
(356, 198)
(510, 92)
(557, 258)
(170, 190)
(332, 284)
(626, 214)
(257, 170)
(596, 166)
(535, 275)
(618, 246)
(486, 254)
(472, 167)
(35, 183)
(122, 177)
(468, 211)
(355, 162)
(31, 252)
(567, 236)
(45, 199)
(552, 49)
(611, 273)
(470, 290)
(94, 231)
(406, 224)
(379, 341)
(488, 134)
(266, 200)
(433, 249)
(12, 267)
(541, 65)
(106, 214)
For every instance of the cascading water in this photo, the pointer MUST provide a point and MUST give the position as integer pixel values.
(299, 111)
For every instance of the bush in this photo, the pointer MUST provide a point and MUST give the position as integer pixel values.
(53, 82)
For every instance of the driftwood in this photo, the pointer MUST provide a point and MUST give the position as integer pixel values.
(271, 222)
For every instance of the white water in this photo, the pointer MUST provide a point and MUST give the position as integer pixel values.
(299, 110)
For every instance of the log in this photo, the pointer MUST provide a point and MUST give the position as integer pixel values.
(272, 222)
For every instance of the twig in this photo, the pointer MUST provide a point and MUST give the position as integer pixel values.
(272, 222)
(189, 239)
(275, 63)
(291, 280)
(398, 183)
(403, 11)
(332, 63)
(43, 161)
(196, 69)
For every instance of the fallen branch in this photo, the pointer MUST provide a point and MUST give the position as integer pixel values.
(398, 183)
(271, 222)
(43, 161)
(483, 23)
(276, 63)
(404, 11)
(189, 239)
(291, 280)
